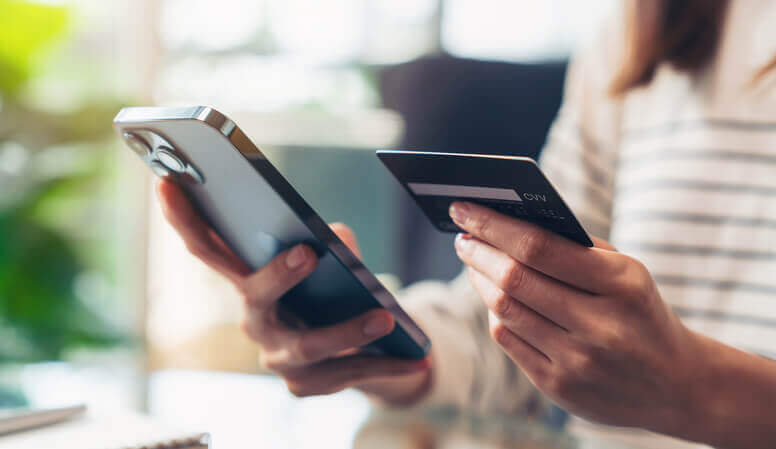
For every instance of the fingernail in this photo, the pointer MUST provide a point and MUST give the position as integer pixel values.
(462, 241)
(296, 257)
(376, 326)
(418, 366)
(459, 212)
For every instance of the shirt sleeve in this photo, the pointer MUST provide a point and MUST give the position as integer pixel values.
(470, 369)
(580, 156)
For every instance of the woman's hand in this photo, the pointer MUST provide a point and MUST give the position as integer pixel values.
(312, 361)
(587, 325)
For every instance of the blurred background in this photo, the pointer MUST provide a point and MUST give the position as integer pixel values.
(89, 273)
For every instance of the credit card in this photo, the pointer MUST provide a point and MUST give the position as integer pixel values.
(511, 185)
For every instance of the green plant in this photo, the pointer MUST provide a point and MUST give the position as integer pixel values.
(25, 29)
(46, 244)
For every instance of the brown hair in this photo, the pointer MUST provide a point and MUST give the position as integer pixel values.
(683, 33)
(765, 70)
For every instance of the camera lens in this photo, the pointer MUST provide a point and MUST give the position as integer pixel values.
(169, 160)
(160, 170)
(137, 144)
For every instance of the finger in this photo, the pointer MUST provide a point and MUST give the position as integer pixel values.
(593, 269)
(196, 234)
(536, 330)
(347, 236)
(264, 287)
(603, 244)
(317, 344)
(223, 247)
(335, 375)
(533, 363)
(558, 302)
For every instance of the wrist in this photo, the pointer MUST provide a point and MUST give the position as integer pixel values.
(694, 401)
(731, 398)
(682, 413)
(705, 404)
(416, 389)
(403, 391)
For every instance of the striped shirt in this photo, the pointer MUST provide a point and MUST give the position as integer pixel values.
(680, 174)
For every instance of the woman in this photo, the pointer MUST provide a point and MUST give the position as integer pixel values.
(664, 146)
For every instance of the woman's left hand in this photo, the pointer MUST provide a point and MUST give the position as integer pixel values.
(586, 325)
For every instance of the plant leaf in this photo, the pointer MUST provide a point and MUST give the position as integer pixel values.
(26, 30)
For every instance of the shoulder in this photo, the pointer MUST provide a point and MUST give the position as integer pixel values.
(597, 57)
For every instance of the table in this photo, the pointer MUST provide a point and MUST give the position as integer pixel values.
(247, 411)
(256, 411)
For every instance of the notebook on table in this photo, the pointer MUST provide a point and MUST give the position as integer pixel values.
(88, 431)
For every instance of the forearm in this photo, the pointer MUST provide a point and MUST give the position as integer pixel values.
(735, 400)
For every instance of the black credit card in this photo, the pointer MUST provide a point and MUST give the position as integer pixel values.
(511, 185)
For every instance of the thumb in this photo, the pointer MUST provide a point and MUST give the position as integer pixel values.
(347, 236)
(603, 244)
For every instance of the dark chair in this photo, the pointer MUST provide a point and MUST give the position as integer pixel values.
(468, 106)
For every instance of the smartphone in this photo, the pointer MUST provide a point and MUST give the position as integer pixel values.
(258, 214)
(512, 185)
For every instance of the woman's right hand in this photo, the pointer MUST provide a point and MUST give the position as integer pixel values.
(311, 361)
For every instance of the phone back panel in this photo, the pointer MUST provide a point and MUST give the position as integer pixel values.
(258, 214)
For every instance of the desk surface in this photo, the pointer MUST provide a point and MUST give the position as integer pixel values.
(247, 411)
(238, 409)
